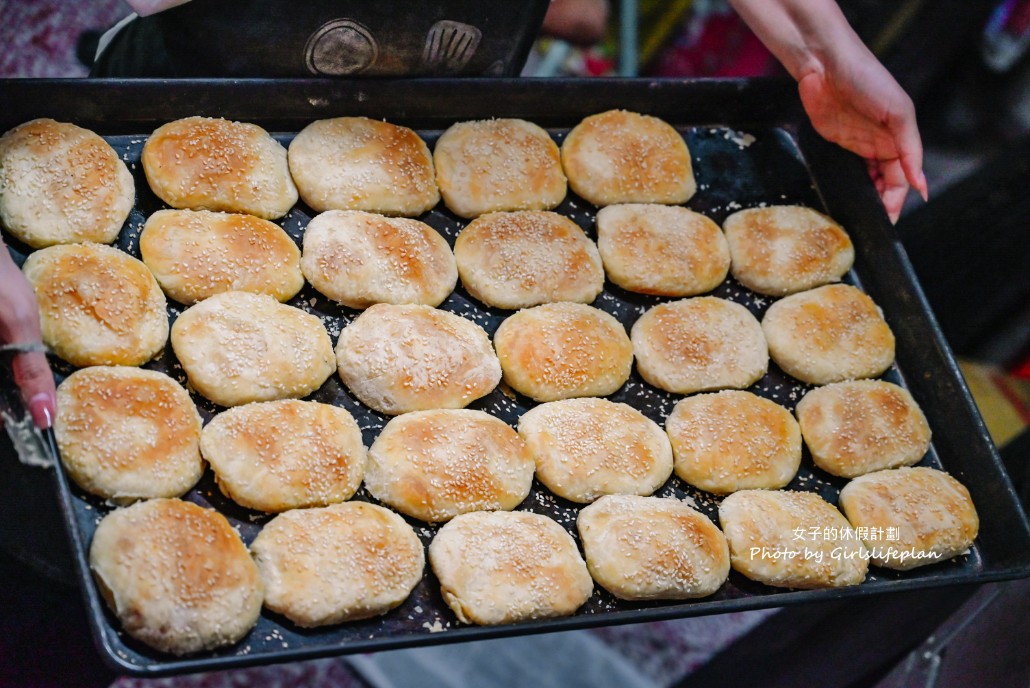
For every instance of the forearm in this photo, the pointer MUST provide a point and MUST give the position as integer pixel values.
(849, 96)
(805, 35)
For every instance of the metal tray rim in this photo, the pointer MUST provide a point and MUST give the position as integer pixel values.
(781, 110)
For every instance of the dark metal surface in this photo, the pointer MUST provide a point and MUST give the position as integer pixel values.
(361, 39)
(785, 163)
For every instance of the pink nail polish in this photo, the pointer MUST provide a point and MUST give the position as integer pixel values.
(41, 407)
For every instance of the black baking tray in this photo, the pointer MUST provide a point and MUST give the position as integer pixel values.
(751, 145)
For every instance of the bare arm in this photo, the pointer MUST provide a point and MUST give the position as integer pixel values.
(849, 96)
(577, 21)
(19, 324)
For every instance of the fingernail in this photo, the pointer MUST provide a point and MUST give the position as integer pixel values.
(41, 407)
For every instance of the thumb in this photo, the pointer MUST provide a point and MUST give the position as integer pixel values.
(32, 375)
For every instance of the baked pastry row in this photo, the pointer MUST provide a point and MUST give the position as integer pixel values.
(64, 184)
(181, 580)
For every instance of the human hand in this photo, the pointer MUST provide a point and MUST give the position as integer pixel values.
(19, 324)
(851, 99)
(859, 106)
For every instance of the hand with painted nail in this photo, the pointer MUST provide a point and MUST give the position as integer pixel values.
(851, 99)
(860, 107)
(19, 324)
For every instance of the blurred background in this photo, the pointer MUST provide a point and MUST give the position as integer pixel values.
(966, 65)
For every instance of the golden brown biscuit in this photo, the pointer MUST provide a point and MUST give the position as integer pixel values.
(526, 258)
(734, 440)
(563, 350)
(176, 575)
(911, 517)
(586, 448)
(647, 548)
(434, 465)
(338, 563)
(126, 434)
(791, 540)
(204, 163)
(238, 347)
(498, 164)
(97, 305)
(195, 254)
(660, 249)
(853, 428)
(828, 334)
(699, 344)
(359, 259)
(624, 157)
(781, 250)
(356, 163)
(397, 359)
(286, 454)
(62, 184)
(500, 567)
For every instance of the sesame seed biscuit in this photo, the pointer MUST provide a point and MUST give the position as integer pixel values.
(780, 250)
(356, 163)
(498, 164)
(286, 454)
(829, 334)
(203, 163)
(499, 567)
(177, 575)
(563, 350)
(359, 259)
(734, 440)
(526, 258)
(647, 548)
(790, 539)
(339, 563)
(434, 465)
(854, 428)
(624, 157)
(97, 305)
(587, 448)
(699, 344)
(237, 347)
(911, 517)
(195, 254)
(62, 184)
(127, 433)
(397, 359)
(662, 250)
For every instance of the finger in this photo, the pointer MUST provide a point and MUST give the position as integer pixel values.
(36, 382)
(895, 188)
(914, 175)
(893, 198)
(910, 148)
(873, 168)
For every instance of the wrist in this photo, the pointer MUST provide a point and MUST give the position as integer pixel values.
(806, 36)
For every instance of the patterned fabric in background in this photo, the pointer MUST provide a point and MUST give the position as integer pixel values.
(713, 42)
(40, 36)
(677, 38)
(323, 673)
